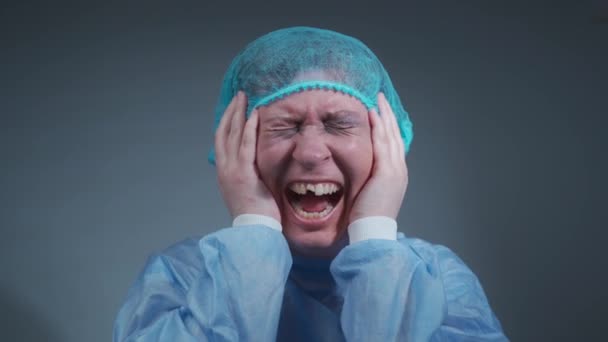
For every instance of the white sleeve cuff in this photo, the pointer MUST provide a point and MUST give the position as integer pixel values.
(372, 227)
(253, 219)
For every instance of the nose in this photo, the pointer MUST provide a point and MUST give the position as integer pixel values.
(310, 148)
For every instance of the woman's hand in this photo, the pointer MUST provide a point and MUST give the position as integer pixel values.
(235, 147)
(383, 193)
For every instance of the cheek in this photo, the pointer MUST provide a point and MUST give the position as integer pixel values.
(269, 155)
(355, 150)
(355, 157)
(362, 145)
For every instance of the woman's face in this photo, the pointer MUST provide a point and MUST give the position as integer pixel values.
(314, 153)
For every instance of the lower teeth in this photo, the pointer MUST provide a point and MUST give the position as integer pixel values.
(309, 215)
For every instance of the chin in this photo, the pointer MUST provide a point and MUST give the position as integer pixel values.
(323, 243)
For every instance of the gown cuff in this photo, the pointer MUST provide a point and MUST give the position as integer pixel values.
(372, 227)
(255, 219)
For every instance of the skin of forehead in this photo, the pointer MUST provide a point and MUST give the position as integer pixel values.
(335, 105)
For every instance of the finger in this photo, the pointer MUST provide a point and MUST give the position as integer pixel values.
(394, 126)
(248, 143)
(224, 126)
(236, 125)
(385, 114)
(238, 120)
(378, 136)
(391, 121)
(222, 130)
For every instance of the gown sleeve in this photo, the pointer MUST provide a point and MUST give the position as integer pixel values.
(210, 290)
(469, 316)
(393, 291)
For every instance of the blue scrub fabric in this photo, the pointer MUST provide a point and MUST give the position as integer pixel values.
(242, 284)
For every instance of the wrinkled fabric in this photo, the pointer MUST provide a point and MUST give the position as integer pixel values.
(296, 59)
(242, 284)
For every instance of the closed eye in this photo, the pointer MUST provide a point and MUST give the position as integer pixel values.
(283, 131)
(339, 127)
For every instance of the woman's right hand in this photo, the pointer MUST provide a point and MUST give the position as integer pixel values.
(235, 150)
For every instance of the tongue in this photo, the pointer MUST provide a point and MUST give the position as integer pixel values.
(312, 203)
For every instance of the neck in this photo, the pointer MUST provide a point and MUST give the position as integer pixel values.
(319, 253)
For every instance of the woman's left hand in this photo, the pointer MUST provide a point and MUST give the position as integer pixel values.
(384, 191)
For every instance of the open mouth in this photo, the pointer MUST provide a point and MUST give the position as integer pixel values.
(313, 201)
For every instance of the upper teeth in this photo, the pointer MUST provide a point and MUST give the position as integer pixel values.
(319, 189)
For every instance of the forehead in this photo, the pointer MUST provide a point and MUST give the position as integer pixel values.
(313, 102)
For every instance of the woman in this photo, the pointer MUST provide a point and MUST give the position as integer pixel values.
(310, 148)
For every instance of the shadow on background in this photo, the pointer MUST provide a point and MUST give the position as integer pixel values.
(20, 321)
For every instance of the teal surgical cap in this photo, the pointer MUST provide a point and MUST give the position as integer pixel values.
(296, 59)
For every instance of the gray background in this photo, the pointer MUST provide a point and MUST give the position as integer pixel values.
(106, 115)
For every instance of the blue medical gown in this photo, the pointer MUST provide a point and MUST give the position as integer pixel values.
(242, 284)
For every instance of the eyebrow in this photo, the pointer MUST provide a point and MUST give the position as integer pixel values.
(286, 117)
(342, 114)
(281, 118)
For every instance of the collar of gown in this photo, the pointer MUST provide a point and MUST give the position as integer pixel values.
(312, 276)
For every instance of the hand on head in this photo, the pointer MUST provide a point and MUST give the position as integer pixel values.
(383, 193)
(235, 144)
